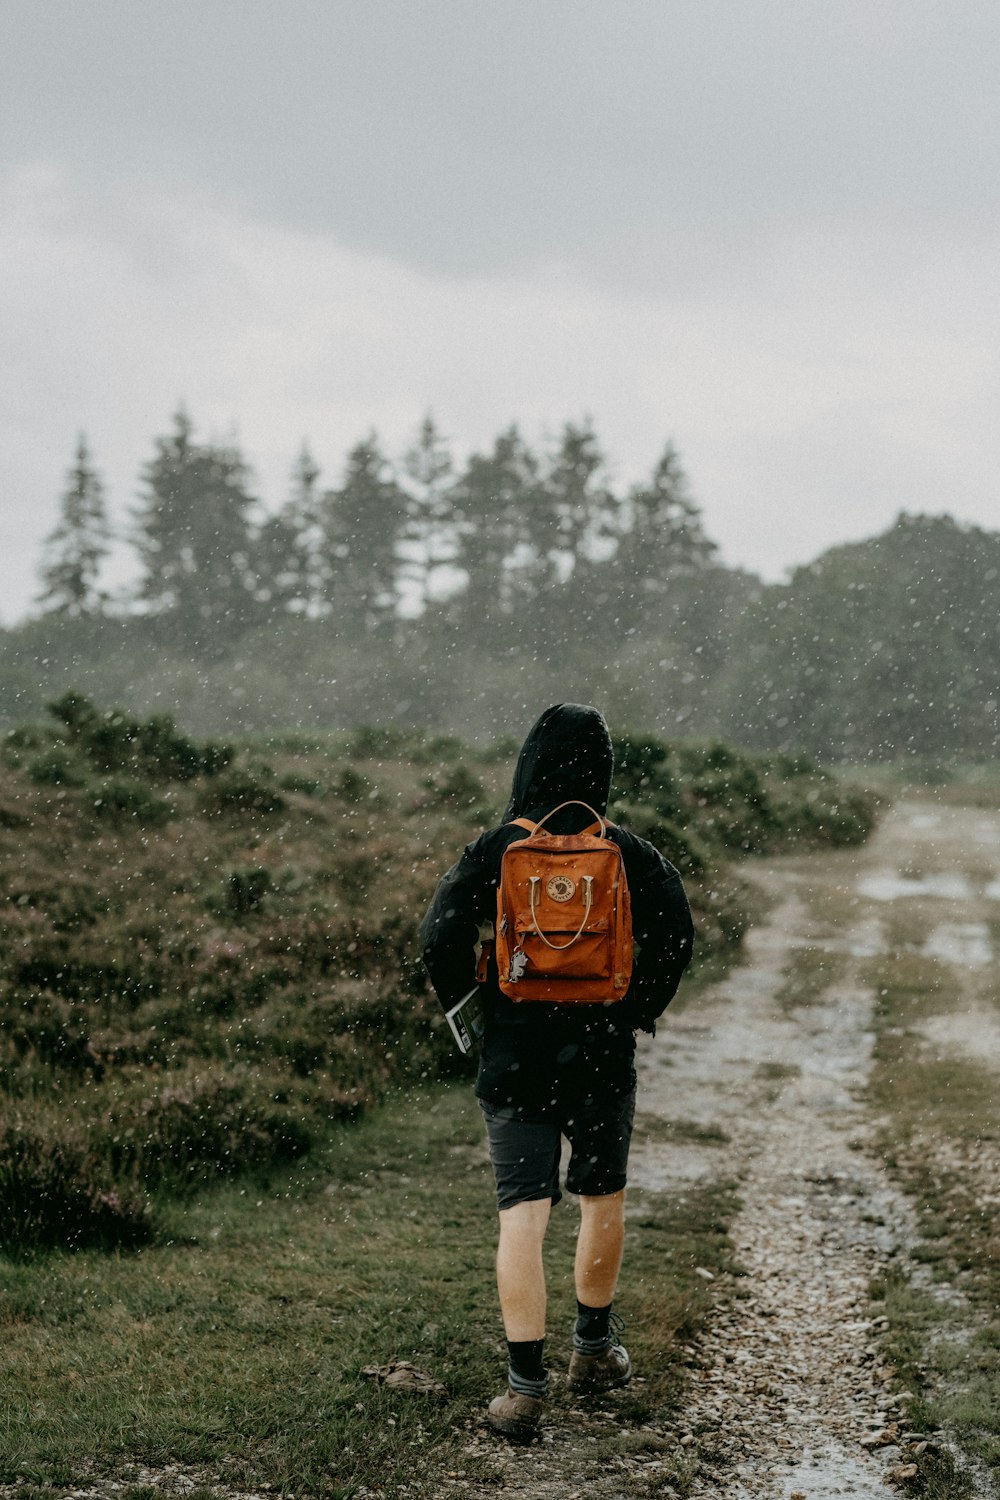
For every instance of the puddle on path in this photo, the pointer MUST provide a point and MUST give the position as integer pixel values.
(654, 1169)
(964, 943)
(887, 885)
(972, 1034)
(867, 938)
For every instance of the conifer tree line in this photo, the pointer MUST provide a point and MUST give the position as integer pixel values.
(507, 541)
(420, 590)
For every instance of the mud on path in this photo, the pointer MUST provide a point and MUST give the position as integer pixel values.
(786, 1391)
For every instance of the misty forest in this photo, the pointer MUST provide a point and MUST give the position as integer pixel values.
(425, 592)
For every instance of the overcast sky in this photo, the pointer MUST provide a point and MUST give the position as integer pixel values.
(764, 229)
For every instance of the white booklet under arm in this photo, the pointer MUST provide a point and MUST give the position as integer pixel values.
(466, 1020)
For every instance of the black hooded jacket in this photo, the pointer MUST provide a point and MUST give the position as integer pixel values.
(537, 1054)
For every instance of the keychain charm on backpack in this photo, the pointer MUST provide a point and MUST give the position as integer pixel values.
(518, 964)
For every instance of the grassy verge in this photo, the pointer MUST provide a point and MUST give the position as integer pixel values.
(234, 1342)
(808, 975)
(948, 781)
(941, 1143)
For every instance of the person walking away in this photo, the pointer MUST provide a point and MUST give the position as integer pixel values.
(549, 1068)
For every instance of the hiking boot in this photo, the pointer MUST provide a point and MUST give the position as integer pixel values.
(515, 1417)
(603, 1371)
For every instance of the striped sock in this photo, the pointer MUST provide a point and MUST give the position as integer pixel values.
(592, 1333)
(526, 1373)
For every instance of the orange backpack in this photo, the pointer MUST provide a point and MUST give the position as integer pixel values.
(564, 921)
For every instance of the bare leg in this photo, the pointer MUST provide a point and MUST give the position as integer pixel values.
(599, 1248)
(520, 1276)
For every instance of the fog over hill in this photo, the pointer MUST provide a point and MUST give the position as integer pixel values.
(428, 593)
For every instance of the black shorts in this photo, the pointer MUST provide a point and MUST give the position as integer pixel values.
(525, 1147)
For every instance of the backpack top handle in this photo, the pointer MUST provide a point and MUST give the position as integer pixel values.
(574, 802)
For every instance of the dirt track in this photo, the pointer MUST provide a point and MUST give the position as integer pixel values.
(786, 1386)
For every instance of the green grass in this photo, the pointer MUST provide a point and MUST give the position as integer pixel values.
(939, 1111)
(948, 780)
(809, 972)
(682, 1132)
(235, 1343)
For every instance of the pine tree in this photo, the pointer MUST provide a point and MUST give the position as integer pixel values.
(494, 502)
(360, 529)
(579, 517)
(285, 551)
(76, 548)
(664, 542)
(428, 534)
(193, 536)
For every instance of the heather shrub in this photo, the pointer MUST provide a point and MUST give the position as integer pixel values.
(153, 747)
(242, 792)
(22, 739)
(435, 748)
(306, 786)
(118, 798)
(499, 752)
(58, 766)
(53, 1193)
(456, 788)
(246, 889)
(47, 1029)
(353, 787)
(204, 1126)
(378, 742)
(10, 817)
(681, 846)
(185, 1000)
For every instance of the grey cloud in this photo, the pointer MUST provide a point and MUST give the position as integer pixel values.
(463, 136)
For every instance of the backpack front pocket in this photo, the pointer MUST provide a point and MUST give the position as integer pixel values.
(570, 956)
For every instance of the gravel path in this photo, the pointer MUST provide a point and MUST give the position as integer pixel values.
(790, 1386)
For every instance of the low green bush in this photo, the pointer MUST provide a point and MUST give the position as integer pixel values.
(378, 742)
(306, 786)
(433, 749)
(54, 1194)
(681, 846)
(242, 792)
(50, 1030)
(153, 747)
(456, 787)
(24, 737)
(203, 1127)
(118, 798)
(246, 889)
(352, 786)
(58, 766)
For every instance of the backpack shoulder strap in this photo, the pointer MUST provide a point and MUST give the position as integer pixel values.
(522, 823)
